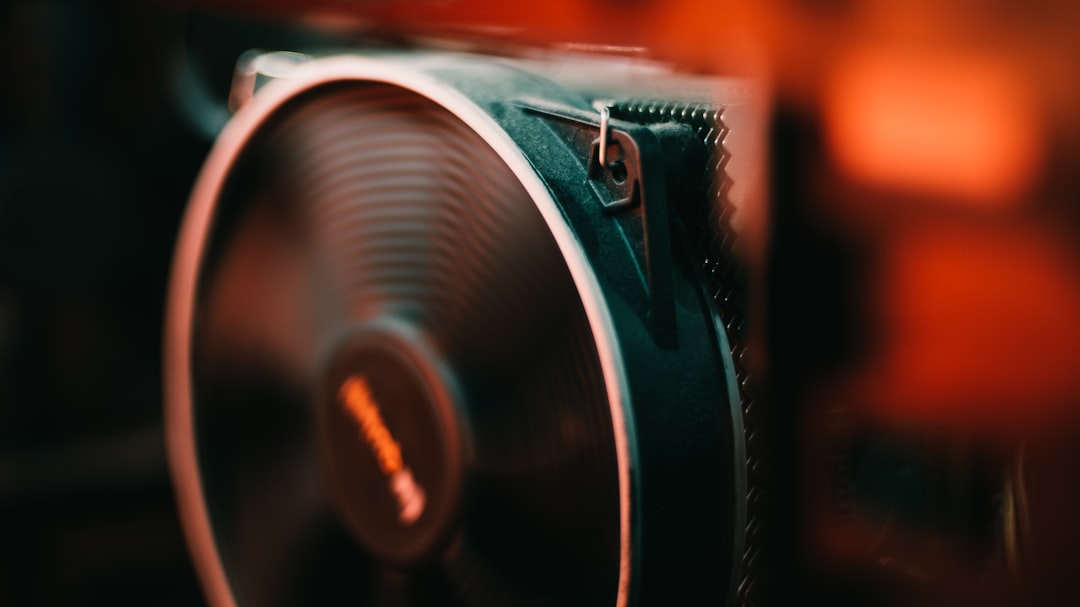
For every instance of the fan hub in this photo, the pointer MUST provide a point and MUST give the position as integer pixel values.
(391, 444)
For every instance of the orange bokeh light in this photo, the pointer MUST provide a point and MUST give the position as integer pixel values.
(978, 329)
(958, 126)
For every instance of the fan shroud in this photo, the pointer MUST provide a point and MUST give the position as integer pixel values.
(412, 198)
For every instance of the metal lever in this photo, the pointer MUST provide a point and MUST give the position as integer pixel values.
(605, 116)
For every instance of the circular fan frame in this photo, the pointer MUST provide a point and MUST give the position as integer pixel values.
(480, 93)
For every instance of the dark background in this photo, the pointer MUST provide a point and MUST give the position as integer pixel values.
(106, 112)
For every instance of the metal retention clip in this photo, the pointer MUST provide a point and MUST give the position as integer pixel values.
(625, 167)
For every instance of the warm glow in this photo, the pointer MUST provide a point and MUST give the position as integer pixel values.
(979, 329)
(955, 126)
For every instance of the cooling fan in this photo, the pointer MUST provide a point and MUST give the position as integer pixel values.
(435, 338)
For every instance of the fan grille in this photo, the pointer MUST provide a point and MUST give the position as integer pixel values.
(366, 204)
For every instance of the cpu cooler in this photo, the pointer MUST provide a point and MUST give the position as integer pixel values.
(444, 330)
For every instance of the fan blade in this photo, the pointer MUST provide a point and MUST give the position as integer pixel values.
(257, 450)
(544, 484)
(260, 300)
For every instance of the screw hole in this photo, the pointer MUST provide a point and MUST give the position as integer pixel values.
(618, 172)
